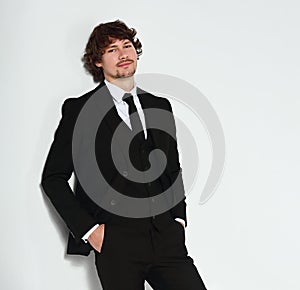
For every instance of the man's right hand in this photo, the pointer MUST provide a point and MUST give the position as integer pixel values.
(96, 238)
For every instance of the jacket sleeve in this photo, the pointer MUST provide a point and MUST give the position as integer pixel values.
(56, 173)
(175, 171)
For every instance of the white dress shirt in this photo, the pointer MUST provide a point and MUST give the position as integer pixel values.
(122, 109)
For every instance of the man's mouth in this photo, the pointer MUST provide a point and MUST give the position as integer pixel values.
(126, 63)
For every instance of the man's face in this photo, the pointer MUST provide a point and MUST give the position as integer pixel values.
(119, 60)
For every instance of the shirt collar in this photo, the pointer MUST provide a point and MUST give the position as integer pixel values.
(118, 93)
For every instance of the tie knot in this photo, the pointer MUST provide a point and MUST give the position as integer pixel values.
(128, 98)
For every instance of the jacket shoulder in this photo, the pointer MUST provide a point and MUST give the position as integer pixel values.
(80, 100)
(73, 105)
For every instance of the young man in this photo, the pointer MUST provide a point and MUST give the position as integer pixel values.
(128, 250)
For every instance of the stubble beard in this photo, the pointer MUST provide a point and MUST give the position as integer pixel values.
(127, 74)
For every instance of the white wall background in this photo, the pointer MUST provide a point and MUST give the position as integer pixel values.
(243, 55)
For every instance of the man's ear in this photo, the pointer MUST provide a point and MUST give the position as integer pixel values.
(98, 64)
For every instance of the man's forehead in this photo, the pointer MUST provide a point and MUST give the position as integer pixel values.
(113, 40)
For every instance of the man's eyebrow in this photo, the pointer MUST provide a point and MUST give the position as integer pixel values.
(111, 45)
(114, 45)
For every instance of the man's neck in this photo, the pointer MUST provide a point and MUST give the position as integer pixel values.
(125, 84)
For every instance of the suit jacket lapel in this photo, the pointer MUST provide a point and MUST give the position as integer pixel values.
(146, 100)
(112, 119)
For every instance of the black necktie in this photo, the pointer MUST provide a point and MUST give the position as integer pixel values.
(135, 120)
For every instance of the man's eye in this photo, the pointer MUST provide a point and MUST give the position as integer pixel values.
(128, 45)
(111, 50)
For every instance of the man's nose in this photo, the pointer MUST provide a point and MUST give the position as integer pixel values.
(123, 54)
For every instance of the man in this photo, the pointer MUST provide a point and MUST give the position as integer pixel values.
(128, 250)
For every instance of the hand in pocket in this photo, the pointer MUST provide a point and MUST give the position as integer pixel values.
(96, 238)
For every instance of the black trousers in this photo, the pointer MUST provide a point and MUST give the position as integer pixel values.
(131, 256)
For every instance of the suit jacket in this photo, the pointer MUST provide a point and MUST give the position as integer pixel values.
(77, 209)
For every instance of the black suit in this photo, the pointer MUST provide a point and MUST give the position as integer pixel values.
(79, 211)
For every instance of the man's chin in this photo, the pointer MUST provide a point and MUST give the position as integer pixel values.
(126, 75)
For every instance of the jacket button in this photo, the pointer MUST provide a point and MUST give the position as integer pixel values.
(113, 202)
(153, 199)
(125, 173)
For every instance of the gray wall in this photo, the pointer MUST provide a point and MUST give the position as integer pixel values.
(242, 55)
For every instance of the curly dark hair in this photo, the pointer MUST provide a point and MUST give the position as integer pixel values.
(101, 37)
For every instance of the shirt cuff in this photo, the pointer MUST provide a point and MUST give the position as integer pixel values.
(180, 220)
(86, 236)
